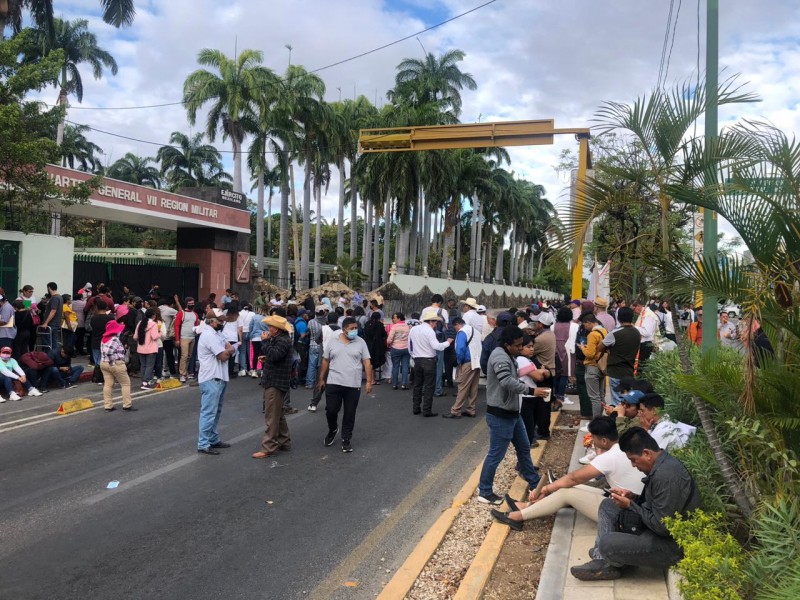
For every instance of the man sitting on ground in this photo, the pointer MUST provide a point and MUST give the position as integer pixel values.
(62, 371)
(571, 490)
(668, 490)
(669, 435)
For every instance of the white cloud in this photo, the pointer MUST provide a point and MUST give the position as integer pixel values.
(531, 59)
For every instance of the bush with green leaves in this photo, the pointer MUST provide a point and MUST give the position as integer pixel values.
(713, 565)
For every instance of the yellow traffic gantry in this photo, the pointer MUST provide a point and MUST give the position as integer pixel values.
(483, 135)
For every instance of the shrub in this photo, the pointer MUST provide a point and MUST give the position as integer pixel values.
(713, 565)
(699, 460)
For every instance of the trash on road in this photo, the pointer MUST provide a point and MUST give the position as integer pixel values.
(112, 484)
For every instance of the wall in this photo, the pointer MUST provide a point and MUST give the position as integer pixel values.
(411, 284)
(43, 258)
(215, 269)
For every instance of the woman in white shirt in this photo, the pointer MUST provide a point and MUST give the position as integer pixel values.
(531, 405)
(664, 315)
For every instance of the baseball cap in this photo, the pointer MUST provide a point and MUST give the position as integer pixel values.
(320, 309)
(5, 350)
(546, 319)
(481, 308)
(633, 397)
(2, 297)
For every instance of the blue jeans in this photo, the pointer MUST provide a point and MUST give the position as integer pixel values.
(439, 372)
(313, 365)
(96, 356)
(244, 349)
(400, 358)
(8, 384)
(616, 397)
(561, 387)
(501, 433)
(63, 378)
(212, 394)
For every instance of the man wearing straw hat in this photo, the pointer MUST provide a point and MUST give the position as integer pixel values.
(469, 310)
(277, 352)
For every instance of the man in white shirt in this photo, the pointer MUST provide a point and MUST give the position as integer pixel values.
(571, 490)
(423, 346)
(168, 314)
(469, 312)
(245, 319)
(213, 353)
(646, 322)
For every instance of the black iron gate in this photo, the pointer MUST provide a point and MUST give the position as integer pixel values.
(9, 267)
(137, 274)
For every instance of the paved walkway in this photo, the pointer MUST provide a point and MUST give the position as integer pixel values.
(572, 537)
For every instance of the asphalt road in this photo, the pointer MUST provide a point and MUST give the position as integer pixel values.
(312, 523)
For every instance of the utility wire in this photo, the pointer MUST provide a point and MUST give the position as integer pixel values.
(665, 44)
(329, 66)
(672, 44)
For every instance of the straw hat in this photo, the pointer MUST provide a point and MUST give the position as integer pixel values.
(430, 315)
(277, 322)
(601, 302)
(471, 302)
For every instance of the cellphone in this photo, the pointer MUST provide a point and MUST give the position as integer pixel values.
(607, 493)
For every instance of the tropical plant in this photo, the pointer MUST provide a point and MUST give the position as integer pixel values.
(188, 162)
(76, 149)
(79, 45)
(135, 169)
(233, 91)
(115, 12)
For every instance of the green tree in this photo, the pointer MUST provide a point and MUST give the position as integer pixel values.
(27, 147)
(233, 92)
(115, 12)
(135, 169)
(76, 149)
(79, 46)
(188, 162)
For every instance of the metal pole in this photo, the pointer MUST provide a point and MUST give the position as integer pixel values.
(710, 222)
(580, 190)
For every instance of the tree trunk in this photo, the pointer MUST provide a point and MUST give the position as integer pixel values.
(306, 251)
(735, 485)
(487, 262)
(300, 285)
(283, 233)
(541, 255)
(426, 235)
(237, 164)
(376, 232)
(269, 223)
(479, 243)
(498, 266)
(413, 238)
(474, 248)
(366, 250)
(318, 237)
(62, 101)
(260, 224)
(353, 214)
(340, 223)
(457, 257)
(387, 237)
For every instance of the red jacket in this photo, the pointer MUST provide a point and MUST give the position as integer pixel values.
(36, 360)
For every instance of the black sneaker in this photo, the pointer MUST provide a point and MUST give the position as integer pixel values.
(346, 447)
(595, 570)
(492, 499)
(331, 436)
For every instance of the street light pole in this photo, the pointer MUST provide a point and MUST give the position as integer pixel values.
(710, 221)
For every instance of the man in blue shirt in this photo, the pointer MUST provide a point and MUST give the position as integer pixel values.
(301, 340)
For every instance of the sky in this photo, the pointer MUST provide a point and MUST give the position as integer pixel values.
(532, 59)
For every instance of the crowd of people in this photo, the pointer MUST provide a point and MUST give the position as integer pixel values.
(532, 357)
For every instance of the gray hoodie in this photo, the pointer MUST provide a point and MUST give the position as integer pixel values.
(503, 386)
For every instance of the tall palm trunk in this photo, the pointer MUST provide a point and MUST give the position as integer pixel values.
(269, 223)
(353, 214)
(306, 251)
(498, 266)
(426, 235)
(412, 239)
(318, 236)
(299, 284)
(340, 216)
(260, 223)
(237, 164)
(387, 236)
(283, 233)
(376, 246)
(474, 247)
(366, 254)
(457, 257)
(479, 243)
(62, 101)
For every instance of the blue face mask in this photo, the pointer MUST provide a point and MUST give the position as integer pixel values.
(352, 334)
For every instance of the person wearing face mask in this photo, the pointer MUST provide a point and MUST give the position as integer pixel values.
(213, 353)
(11, 371)
(342, 360)
(185, 322)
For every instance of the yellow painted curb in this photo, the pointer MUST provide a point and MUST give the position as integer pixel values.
(72, 406)
(479, 572)
(405, 577)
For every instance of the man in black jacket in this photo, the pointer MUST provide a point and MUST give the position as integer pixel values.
(668, 490)
(278, 354)
(491, 341)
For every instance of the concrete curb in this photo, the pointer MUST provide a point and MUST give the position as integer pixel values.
(556, 562)
(479, 572)
(405, 577)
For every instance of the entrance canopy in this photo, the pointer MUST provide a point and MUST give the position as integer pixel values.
(143, 206)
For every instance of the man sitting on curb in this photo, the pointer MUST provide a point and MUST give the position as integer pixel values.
(668, 490)
(570, 490)
(669, 435)
(63, 372)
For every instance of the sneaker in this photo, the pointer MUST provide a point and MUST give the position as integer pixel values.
(492, 499)
(253, 374)
(14, 396)
(312, 408)
(146, 386)
(567, 402)
(242, 373)
(590, 456)
(182, 379)
(596, 570)
(2, 399)
(331, 436)
(68, 385)
(346, 447)
(34, 392)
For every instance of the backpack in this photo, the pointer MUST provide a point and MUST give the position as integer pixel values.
(294, 376)
(685, 315)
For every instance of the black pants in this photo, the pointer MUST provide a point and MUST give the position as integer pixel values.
(424, 382)
(535, 414)
(169, 356)
(645, 350)
(302, 351)
(80, 340)
(335, 396)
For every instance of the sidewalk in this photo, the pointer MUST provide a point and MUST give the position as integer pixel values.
(572, 537)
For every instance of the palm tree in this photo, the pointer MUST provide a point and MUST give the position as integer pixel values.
(79, 46)
(76, 149)
(233, 92)
(115, 12)
(135, 169)
(435, 79)
(188, 162)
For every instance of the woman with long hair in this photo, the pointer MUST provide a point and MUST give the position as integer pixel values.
(565, 329)
(162, 335)
(375, 336)
(146, 336)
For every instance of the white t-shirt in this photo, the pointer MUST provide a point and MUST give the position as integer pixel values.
(245, 318)
(346, 361)
(231, 330)
(209, 345)
(619, 472)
